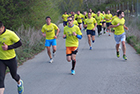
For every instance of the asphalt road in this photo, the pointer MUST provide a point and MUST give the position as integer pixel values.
(98, 71)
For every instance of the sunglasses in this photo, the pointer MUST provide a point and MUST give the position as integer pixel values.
(70, 20)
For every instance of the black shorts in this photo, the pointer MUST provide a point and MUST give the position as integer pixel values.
(91, 32)
(103, 22)
(64, 22)
(108, 24)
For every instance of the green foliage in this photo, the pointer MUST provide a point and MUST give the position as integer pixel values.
(135, 42)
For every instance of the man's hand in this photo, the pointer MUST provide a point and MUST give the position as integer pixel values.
(5, 47)
(93, 29)
(74, 34)
(55, 37)
(118, 24)
(64, 36)
(44, 35)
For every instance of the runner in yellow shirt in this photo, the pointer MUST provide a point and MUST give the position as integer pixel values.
(85, 17)
(99, 20)
(8, 42)
(64, 17)
(48, 31)
(79, 17)
(72, 33)
(104, 22)
(91, 24)
(115, 16)
(108, 18)
(119, 24)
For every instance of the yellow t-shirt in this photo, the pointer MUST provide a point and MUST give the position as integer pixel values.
(99, 19)
(71, 40)
(93, 15)
(9, 38)
(65, 16)
(109, 17)
(49, 30)
(119, 29)
(79, 18)
(103, 16)
(90, 23)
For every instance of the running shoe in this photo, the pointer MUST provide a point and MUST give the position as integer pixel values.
(90, 48)
(51, 60)
(124, 57)
(118, 54)
(54, 54)
(20, 88)
(73, 72)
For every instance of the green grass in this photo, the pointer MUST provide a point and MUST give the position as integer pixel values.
(133, 35)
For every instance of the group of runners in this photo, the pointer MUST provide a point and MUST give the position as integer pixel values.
(72, 33)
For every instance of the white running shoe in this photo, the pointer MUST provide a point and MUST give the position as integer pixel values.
(51, 60)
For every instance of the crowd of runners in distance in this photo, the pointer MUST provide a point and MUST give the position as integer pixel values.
(102, 21)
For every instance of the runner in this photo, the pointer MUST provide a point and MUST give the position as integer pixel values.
(89, 23)
(118, 24)
(79, 17)
(104, 22)
(108, 18)
(48, 31)
(64, 17)
(8, 42)
(72, 33)
(99, 20)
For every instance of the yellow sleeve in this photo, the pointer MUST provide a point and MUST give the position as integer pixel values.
(14, 38)
(43, 30)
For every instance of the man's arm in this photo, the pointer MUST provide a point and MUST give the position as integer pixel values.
(126, 27)
(57, 33)
(13, 46)
(112, 26)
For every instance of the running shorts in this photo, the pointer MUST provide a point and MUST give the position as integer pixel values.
(108, 24)
(71, 50)
(50, 42)
(119, 38)
(64, 22)
(91, 32)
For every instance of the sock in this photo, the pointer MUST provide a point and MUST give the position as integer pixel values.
(73, 64)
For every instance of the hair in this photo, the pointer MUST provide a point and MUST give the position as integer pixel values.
(119, 12)
(1, 24)
(48, 17)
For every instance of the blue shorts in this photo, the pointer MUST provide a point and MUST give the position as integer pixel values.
(91, 32)
(50, 42)
(108, 24)
(64, 22)
(119, 38)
